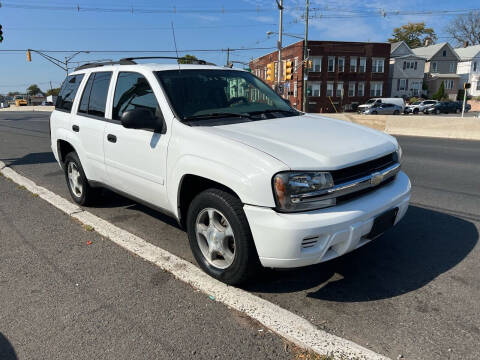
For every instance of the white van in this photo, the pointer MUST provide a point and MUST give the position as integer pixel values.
(374, 101)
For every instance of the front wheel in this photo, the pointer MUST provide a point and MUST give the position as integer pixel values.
(396, 112)
(220, 237)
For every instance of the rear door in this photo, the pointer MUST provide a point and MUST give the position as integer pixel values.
(136, 159)
(89, 123)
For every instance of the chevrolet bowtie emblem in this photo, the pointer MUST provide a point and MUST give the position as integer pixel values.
(376, 179)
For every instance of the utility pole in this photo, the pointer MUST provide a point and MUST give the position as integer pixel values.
(228, 57)
(279, 43)
(305, 58)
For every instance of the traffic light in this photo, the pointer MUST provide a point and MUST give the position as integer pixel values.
(29, 56)
(287, 70)
(1, 34)
(467, 86)
(270, 71)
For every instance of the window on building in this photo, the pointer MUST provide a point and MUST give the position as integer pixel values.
(339, 92)
(316, 64)
(448, 84)
(402, 84)
(478, 85)
(67, 92)
(452, 68)
(361, 89)
(351, 89)
(341, 64)
(415, 88)
(133, 91)
(331, 63)
(265, 72)
(474, 66)
(363, 65)
(295, 89)
(276, 70)
(378, 65)
(353, 64)
(313, 88)
(376, 88)
(444, 53)
(329, 88)
(409, 65)
(94, 97)
(434, 66)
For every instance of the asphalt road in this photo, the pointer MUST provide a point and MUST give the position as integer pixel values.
(413, 292)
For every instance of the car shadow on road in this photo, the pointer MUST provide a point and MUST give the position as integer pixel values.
(7, 352)
(425, 244)
(32, 158)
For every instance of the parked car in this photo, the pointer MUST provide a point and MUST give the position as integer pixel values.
(419, 106)
(376, 101)
(384, 109)
(47, 103)
(444, 107)
(468, 107)
(252, 180)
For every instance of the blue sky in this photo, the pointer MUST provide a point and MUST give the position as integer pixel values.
(203, 29)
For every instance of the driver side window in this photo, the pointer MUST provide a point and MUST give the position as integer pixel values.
(132, 92)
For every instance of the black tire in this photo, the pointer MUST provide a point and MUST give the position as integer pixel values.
(437, 112)
(374, 113)
(88, 194)
(415, 111)
(245, 263)
(396, 112)
(457, 111)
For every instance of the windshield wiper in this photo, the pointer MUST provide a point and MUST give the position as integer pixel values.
(215, 116)
(269, 111)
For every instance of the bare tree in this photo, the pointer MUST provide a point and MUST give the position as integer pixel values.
(466, 28)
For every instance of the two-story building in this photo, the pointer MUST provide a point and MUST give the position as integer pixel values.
(406, 72)
(440, 67)
(342, 75)
(469, 68)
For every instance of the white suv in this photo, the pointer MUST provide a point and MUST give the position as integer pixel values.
(253, 181)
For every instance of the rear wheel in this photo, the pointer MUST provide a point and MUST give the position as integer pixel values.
(415, 111)
(437, 111)
(396, 112)
(82, 193)
(220, 237)
(374, 113)
(457, 111)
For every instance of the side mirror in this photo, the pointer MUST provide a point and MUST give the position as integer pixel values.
(141, 119)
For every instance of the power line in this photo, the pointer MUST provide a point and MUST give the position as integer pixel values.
(139, 51)
(135, 28)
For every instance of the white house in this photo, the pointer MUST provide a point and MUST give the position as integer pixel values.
(406, 71)
(469, 68)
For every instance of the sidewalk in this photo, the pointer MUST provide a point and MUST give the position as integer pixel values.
(69, 294)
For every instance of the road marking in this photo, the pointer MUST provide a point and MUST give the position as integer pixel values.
(283, 322)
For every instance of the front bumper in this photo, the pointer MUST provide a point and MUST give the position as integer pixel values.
(300, 239)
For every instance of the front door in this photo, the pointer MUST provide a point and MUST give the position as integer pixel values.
(135, 159)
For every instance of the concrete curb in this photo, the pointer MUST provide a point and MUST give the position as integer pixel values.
(281, 321)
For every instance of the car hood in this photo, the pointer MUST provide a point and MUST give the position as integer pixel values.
(310, 142)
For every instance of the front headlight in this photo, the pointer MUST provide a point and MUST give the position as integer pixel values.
(399, 154)
(296, 191)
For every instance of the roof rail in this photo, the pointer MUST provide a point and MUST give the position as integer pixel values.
(97, 64)
(191, 61)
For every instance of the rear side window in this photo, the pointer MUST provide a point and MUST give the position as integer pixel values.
(94, 97)
(67, 92)
(132, 92)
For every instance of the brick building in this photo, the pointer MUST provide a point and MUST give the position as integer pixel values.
(343, 74)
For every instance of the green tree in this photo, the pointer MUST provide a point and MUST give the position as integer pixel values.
(465, 28)
(53, 92)
(187, 59)
(440, 94)
(414, 34)
(34, 90)
(13, 93)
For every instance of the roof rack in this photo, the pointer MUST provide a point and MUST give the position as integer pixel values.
(129, 61)
(191, 61)
(97, 64)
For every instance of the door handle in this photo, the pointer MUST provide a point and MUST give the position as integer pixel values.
(112, 138)
(75, 128)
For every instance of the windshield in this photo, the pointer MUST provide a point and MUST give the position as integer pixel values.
(201, 93)
(416, 103)
(371, 101)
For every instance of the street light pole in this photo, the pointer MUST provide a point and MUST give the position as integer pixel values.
(279, 44)
(305, 59)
